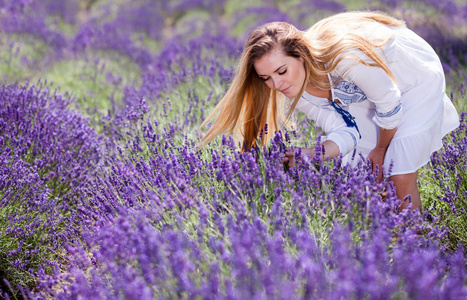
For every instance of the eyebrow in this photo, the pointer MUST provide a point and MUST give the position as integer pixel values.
(276, 69)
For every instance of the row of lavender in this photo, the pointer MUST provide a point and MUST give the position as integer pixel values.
(135, 212)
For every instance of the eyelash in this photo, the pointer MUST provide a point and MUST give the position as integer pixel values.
(280, 73)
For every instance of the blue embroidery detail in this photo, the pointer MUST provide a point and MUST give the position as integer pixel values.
(348, 118)
(347, 92)
(390, 113)
(353, 138)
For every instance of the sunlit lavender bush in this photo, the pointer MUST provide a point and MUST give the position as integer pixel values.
(103, 195)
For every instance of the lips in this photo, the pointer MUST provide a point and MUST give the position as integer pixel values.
(285, 90)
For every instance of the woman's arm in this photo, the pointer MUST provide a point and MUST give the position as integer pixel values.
(376, 156)
(339, 139)
(332, 124)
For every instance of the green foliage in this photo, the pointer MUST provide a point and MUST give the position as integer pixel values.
(20, 57)
(97, 81)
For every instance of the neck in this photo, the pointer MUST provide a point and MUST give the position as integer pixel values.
(318, 92)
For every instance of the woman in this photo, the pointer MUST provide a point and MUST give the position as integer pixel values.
(368, 81)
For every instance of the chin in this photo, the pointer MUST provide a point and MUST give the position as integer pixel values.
(290, 95)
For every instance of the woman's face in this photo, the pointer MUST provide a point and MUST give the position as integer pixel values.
(280, 72)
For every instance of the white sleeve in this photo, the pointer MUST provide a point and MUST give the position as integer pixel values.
(378, 88)
(333, 125)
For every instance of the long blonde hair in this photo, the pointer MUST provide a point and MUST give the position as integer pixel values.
(249, 105)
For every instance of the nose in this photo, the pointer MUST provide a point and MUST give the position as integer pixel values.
(276, 83)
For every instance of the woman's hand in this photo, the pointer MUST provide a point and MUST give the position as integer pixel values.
(330, 150)
(376, 157)
(289, 156)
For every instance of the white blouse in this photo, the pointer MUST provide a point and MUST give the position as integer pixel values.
(416, 103)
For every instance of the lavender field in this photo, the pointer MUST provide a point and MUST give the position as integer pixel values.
(104, 196)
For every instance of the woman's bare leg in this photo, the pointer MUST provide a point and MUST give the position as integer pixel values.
(406, 184)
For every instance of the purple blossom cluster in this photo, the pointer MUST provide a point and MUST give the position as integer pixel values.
(127, 208)
(256, 263)
(48, 153)
(26, 16)
(241, 226)
(449, 172)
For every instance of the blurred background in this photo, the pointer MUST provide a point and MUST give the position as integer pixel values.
(111, 53)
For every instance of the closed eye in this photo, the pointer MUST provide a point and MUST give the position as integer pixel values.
(267, 78)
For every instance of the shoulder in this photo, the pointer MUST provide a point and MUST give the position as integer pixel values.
(308, 101)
